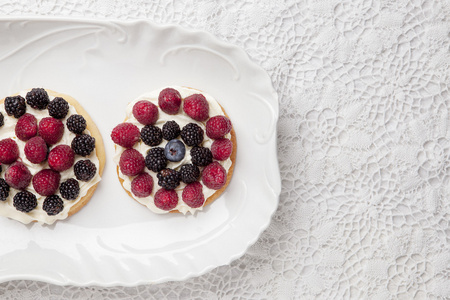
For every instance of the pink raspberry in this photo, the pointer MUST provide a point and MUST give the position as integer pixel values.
(142, 185)
(131, 162)
(221, 148)
(145, 112)
(125, 135)
(61, 158)
(218, 126)
(169, 100)
(196, 107)
(214, 176)
(46, 182)
(18, 176)
(36, 150)
(9, 151)
(166, 199)
(26, 127)
(193, 195)
(51, 130)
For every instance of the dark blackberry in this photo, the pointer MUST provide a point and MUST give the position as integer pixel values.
(69, 189)
(2, 121)
(53, 205)
(58, 108)
(83, 144)
(168, 179)
(170, 130)
(192, 134)
(15, 106)
(37, 98)
(201, 156)
(155, 159)
(151, 135)
(25, 201)
(76, 124)
(84, 170)
(189, 173)
(4, 190)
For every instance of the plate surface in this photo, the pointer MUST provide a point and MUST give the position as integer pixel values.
(114, 240)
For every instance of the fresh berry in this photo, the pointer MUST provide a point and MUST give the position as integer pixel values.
(58, 108)
(83, 144)
(189, 173)
(175, 150)
(25, 201)
(131, 162)
(9, 151)
(76, 124)
(145, 112)
(2, 120)
(155, 160)
(169, 100)
(61, 158)
(169, 178)
(26, 127)
(201, 156)
(53, 205)
(15, 106)
(142, 185)
(18, 176)
(193, 195)
(37, 98)
(125, 135)
(151, 135)
(192, 134)
(4, 190)
(46, 182)
(196, 107)
(218, 126)
(214, 176)
(84, 170)
(170, 130)
(36, 150)
(221, 149)
(166, 199)
(69, 189)
(51, 130)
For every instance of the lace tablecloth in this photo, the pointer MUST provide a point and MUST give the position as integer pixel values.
(363, 142)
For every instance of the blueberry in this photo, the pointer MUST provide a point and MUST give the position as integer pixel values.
(174, 150)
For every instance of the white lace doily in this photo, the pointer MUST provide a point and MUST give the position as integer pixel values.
(364, 147)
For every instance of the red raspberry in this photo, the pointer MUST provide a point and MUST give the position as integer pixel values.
(166, 199)
(142, 185)
(196, 107)
(18, 176)
(169, 100)
(9, 151)
(218, 126)
(193, 195)
(214, 176)
(51, 130)
(125, 135)
(145, 112)
(26, 127)
(221, 149)
(61, 158)
(46, 182)
(36, 150)
(131, 162)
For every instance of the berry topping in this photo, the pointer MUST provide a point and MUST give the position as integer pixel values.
(2, 121)
(221, 149)
(125, 135)
(201, 156)
(151, 135)
(36, 150)
(26, 127)
(175, 150)
(15, 106)
(196, 107)
(4, 190)
(155, 159)
(192, 134)
(218, 126)
(25, 201)
(131, 162)
(61, 158)
(168, 179)
(83, 144)
(193, 195)
(169, 100)
(18, 176)
(166, 199)
(76, 124)
(142, 185)
(58, 108)
(51, 130)
(214, 176)
(84, 170)
(189, 173)
(46, 182)
(53, 205)
(69, 189)
(145, 112)
(9, 151)
(170, 130)
(37, 98)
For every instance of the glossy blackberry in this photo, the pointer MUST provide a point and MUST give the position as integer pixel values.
(170, 130)
(83, 144)
(53, 205)
(37, 98)
(25, 201)
(155, 160)
(2, 121)
(84, 170)
(76, 124)
(151, 135)
(15, 106)
(168, 179)
(4, 190)
(58, 108)
(69, 189)
(192, 134)
(189, 173)
(201, 156)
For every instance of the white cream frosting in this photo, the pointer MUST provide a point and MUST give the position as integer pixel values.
(38, 214)
(182, 119)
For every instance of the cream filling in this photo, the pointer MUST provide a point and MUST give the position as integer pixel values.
(182, 119)
(7, 208)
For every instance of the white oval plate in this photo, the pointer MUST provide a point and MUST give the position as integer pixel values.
(114, 240)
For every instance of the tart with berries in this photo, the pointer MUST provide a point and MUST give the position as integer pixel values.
(51, 154)
(175, 151)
